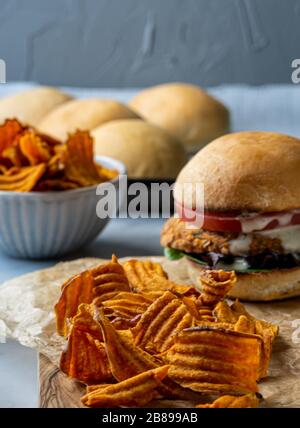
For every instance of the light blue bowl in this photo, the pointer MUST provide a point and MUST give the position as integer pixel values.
(41, 225)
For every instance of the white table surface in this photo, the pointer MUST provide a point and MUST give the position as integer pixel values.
(270, 108)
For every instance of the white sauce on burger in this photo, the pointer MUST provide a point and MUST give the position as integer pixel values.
(289, 237)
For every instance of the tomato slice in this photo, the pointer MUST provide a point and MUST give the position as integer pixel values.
(237, 222)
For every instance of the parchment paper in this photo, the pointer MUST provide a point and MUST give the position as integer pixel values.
(26, 314)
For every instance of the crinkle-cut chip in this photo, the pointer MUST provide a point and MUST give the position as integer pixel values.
(91, 388)
(127, 360)
(191, 305)
(208, 358)
(206, 313)
(9, 131)
(260, 325)
(85, 357)
(264, 329)
(244, 325)
(22, 179)
(223, 313)
(125, 323)
(51, 141)
(110, 279)
(33, 148)
(55, 167)
(79, 160)
(77, 290)
(238, 315)
(197, 309)
(135, 391)
(128, 305)
(84, 320)
(163, 319)
(12, 171)
(147, 276)
(83, 287)
(53, 184)
(14, 156)
(3, 168)
(106, 174)
(247, 401)
(215, 284)
(143, 276)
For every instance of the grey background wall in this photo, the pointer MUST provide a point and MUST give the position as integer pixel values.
(116, 43)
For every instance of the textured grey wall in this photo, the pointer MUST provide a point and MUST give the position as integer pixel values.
(143, 42)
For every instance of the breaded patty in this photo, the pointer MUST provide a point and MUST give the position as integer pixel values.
(176, 234)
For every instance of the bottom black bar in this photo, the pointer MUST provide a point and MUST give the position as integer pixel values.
(142, 417)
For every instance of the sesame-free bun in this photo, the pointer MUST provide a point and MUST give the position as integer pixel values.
(85, 114)
(32, 105)
(246, 171)
(276, 284)
(186, 111)
(147, 151)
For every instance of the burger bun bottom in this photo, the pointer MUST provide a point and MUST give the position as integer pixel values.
(277, 284)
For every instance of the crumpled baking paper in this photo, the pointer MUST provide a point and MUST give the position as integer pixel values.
(26, 314)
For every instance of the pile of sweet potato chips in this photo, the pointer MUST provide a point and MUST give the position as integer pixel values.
(31, 161)
(133, 335)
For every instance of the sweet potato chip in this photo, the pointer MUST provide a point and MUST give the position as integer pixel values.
(79, 161)
(55, 169)
(208, 358)
(215, 284)
(224, 313)
(135, 391)
(14, 156)
(127, 360)
(236, 314)
(146, 276)
(110, 279)
(91, 388)
(51, 141)
(199, 311)
(33, 148)
(23, 179)
(106, 174)
(85, 357)
(157, 327)
(128, 305)
(9, 131)
(206, 313)
(77, 290)
(261, 327)
(103, 281)
(3, 168)
(248, 401)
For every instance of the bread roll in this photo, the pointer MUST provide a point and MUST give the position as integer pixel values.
(32, 105)
(147, 151)
(186, 111)
(85, 114)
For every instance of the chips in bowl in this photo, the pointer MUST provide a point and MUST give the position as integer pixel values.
(31, 161)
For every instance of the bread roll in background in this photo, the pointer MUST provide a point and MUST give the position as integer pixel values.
(186, 111)
(146, 150)
(85, 114)
(32, 105)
